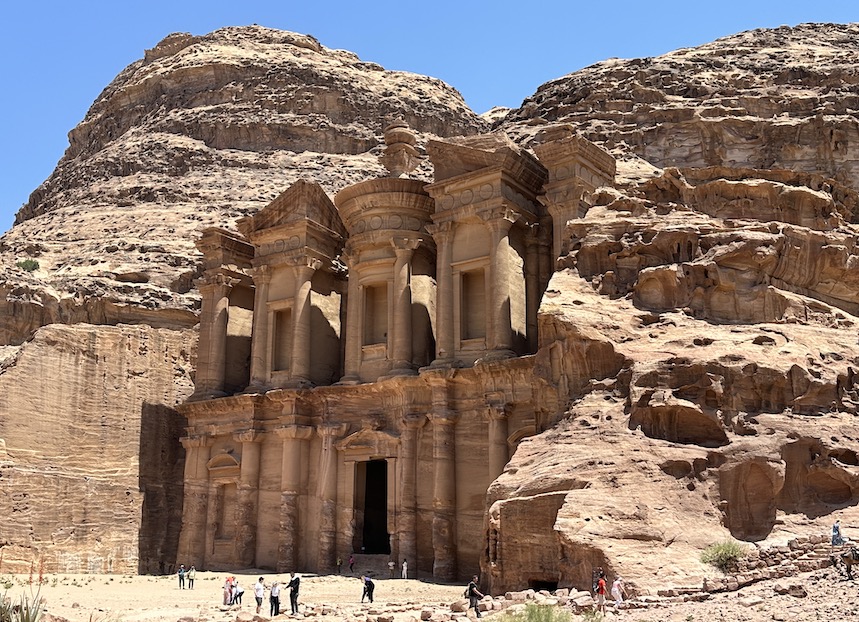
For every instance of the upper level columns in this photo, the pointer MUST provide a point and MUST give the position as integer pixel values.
(300, 356)
(442, 233)
(260, 353)
(354, 324)
(212, 350)
(404, 249)
(500, 334)
(248, 497)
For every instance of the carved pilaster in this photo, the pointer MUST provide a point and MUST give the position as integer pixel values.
(299, 367)
(443, 234)
(293, 436)
(497, 413)
(404, 249)
(260, 355)
(192, 538)
(247, 506)
(499, 221)
(330, 434)
(212, 349)
(407, 526)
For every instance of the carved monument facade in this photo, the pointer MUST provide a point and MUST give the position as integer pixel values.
(363, 370)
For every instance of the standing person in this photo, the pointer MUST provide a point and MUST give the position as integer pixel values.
(391, 566)
(601, 593)
(228, 591)
(339, 563)
(192, 574)
(474, 596)
(405, 569)
(351, 561)
(181, 576)
(837, 538)
(369, 586)
(293, 584)
(274, 599)
(259, 592)
(238, 591)
(618, 591)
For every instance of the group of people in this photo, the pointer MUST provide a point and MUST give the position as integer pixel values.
(233, 593)
(618, 591)
(186, 575)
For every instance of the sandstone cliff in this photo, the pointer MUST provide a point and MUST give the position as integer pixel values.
(701, 327)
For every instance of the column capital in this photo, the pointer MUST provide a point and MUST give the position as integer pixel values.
(441, 231)
(304, 262)
(414, 421)
(444, 418)
(332, 430)
(499, 218)
(248, 436)
(216, 280)
(261, 274)
(294, 432)
(189, 442)
(405, 244)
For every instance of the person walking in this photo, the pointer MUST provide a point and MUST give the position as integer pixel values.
(274, 599)
(618, 591)
(474, 595)
(293, 584)
(259, 593)
(369, 586)
(405, 569)
(191, 575)
(837, 538)
(181, 574)
(600, 593)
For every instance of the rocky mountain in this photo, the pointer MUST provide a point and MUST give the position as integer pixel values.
(701, 323)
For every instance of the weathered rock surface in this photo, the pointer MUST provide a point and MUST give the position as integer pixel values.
(701, 328)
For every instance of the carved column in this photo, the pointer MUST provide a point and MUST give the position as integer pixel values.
(260, 354)
(407, 528)
(532, 285)
(290, 492)
(212, 350)
(330, 433)
(300, 363)
(499, 454)
(192, 539)
(402, 320)
(444, 483)
(214, 513)
(354, 325)
(247, 502)
(442, 233)
(500, 330)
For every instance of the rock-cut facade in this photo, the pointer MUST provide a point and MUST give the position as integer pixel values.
(365, 363)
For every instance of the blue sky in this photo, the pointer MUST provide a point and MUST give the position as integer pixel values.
(57, 56)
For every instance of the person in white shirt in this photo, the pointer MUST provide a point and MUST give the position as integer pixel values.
(259, 592)
(405, 569)
(274, 599)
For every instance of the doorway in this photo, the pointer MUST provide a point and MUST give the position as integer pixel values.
(372, 504)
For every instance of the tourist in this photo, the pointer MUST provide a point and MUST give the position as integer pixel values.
(405, 569)
(600, 593)
(837, 539)
(228, 591)
(274, 599)
(369, 586)
(391, 566)
(238, 591)
(351, 562)
(181, 576)
(294, 581)
(259, 592)
(474, 595)
(339, 563)
(618, 591)
(191, 575)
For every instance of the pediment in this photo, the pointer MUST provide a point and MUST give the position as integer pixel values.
(303, 202)
(367, 443)
(222, 462)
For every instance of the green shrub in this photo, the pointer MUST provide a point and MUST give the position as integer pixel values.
(538, 613)
(28, 265)
(723, 555)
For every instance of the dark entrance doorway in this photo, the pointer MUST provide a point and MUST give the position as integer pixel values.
(374, 533)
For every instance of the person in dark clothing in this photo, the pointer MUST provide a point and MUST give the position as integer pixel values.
(474, 596)
(369, 586)
(294, 581)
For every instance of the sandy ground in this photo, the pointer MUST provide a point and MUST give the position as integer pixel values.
(105, 598)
